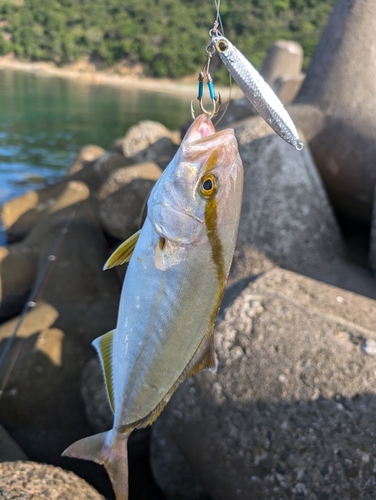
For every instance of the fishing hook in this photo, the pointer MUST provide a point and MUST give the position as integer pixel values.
(217, 104)
(216, 101)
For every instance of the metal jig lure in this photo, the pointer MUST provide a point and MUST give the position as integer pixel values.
(254, 87)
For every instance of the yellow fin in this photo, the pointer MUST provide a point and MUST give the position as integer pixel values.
(123, 253)
(103, 345)
(204, 358)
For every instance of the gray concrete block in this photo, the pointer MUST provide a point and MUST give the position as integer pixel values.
(290, 412)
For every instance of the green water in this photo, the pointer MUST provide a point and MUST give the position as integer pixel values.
(44, 121)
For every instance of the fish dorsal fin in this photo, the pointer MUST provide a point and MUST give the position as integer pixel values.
(123, 253)
(103, 345)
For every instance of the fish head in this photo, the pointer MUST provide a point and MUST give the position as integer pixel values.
(205, 176)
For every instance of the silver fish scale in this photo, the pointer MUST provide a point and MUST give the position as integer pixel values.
(258, 92)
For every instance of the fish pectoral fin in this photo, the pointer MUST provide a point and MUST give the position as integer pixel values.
(158, 255)
(103, 345)
(123, 253)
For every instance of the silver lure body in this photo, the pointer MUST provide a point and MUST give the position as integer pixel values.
(257, 91)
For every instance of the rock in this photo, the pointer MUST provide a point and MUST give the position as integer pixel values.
(286, 217)
(77, 286)
(285, 211)
(18, 272)
(97, 173)
(237, 110)
(284, 58)
(340, 85)
(9, 449)
(87, 155)
(122, 198)
(94, 395)
(287, 87)
(19, 262)
(20, 214)
(372, 247)
(76, 302)
(30, 480)
(290, 412)
(41, 403)
(149, 141)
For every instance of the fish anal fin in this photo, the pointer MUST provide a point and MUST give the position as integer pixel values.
(103, 345)
(204, 358)
(123, 253)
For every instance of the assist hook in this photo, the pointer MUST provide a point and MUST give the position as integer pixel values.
(216, 101)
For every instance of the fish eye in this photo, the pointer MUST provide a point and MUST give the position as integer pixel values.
(208, 186)
(222, 45)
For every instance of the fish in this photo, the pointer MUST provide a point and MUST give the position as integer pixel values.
(178, 269)
(256, 90)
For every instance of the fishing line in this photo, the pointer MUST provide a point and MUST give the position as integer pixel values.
(217, 4)
(227, 104)
(218, 21)
(34, 296)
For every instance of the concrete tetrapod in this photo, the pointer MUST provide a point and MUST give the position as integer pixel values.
(290, 411)
(336, 107)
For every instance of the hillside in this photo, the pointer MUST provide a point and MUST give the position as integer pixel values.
(167, 37)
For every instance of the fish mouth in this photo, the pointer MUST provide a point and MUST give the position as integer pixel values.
(202, 131)
(201, 127)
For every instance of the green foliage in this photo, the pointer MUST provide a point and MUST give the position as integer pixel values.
(168, 37)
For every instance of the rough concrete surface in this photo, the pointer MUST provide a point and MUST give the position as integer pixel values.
(287, 87)
(284, 58)
(285, 212)
(33, 481)
(290, 412)
(149, 141)
(95, 173)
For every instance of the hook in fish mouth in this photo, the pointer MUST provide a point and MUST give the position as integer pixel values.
(202, 127)
(216, 107)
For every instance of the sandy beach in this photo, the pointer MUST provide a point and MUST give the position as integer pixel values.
(87, 73)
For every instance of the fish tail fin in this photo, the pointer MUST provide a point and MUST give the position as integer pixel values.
(108, 449)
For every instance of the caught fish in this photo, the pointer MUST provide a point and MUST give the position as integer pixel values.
(178, 268)
(257, 91)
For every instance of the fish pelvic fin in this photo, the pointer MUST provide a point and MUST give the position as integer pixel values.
(123, 253)
(103, 345)
(108, 449)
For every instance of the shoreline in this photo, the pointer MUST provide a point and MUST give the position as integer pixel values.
(183, 87)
